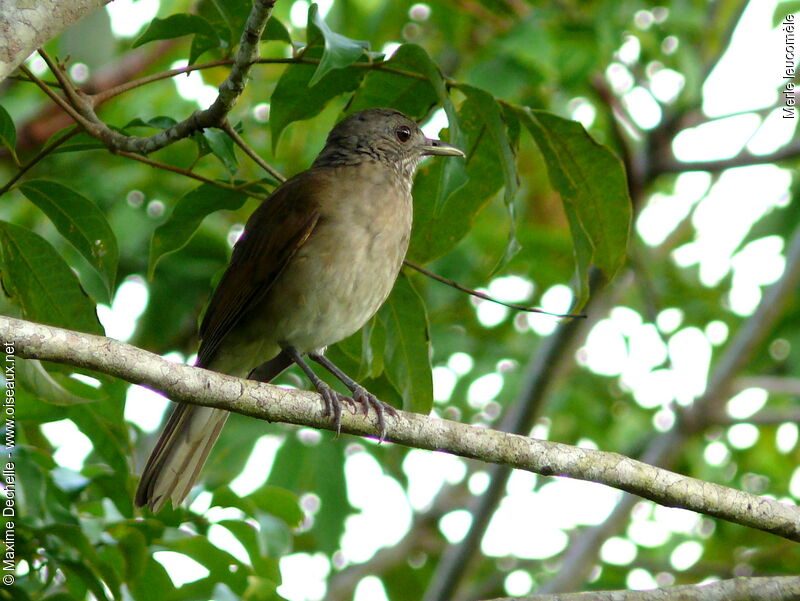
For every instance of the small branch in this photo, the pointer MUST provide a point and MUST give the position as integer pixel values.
(666, 446)
(483, 296)
(193, 385)
(772, 384)
(74, 97)
(126, 87)
(739, 352)
(106, 94)
(35, 160)
(765, 417)
(65, 106)
(185, 172)
(744, 158)
(228, 129)
(82, 109)
(778, 588)
(547, 363)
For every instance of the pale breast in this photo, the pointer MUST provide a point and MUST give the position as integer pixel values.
(345, 271)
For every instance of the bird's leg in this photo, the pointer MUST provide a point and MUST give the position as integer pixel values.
(271, 369)
(330, 398)
(360, 394)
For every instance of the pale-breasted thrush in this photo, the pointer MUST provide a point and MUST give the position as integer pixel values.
(316, 261)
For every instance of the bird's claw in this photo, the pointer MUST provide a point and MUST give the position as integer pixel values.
(333, 401)
(367, 399)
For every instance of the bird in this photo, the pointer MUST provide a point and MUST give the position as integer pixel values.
(315, 262)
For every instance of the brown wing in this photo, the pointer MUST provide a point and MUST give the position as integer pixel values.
(273, 234)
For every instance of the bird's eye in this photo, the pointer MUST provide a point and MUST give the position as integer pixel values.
(403, 133)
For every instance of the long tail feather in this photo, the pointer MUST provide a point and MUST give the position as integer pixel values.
(184, 445)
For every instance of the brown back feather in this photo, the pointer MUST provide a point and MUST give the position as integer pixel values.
(272, 236)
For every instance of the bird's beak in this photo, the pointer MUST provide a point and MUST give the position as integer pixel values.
(439, 148)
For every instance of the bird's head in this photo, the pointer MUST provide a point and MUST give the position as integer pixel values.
(382, 135)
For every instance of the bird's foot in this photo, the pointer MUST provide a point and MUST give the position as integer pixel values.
(360, 394)
(366, 399)
(332, 404)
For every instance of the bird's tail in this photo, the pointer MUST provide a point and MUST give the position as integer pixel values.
(184, 445)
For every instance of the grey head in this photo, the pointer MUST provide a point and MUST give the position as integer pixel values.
(381, 135)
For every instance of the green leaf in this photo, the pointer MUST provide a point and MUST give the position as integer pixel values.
(253, 542)
(783, 8)
(300, 467)
(221, 145)
(76, 143)
(81, 222)
(216, 561)
(414, 96)
(160, 122)
(340, 51)
(179, 25)
(186, 217)
(133, 546)
(583, 253)
(35, 378)
(37, 278)
(155, 583)
(227, 18)
(453, 173)
(275, 30)
(279, 502)
(109, 437)
(201, 43)
(437, 229)
(494, 126)
(408, 364)
(262, 589)
(96, 569)
(78, 571)
(593, 187)
(8, 133)
(293, 100)
(30, 408)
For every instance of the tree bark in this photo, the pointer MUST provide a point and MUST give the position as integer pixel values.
(26, 25)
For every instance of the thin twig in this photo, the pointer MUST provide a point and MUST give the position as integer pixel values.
(744, 158)
(65, 106)
(229, 91)
(228, 129)
(100, 97)
(35, 160)
(484, 296)
(186, 172)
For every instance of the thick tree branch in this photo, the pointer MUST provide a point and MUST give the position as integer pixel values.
(780, 588)
(263, 401)
(24, 26)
